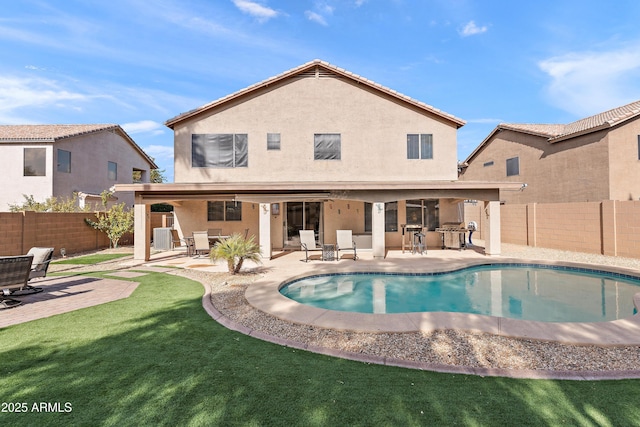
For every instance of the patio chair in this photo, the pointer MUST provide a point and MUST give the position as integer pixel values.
(41, 259)
(344, 242)
(308, 243)
(214, 232)
(14, 274)
(39, 266)
(176, 241)
(200, 242)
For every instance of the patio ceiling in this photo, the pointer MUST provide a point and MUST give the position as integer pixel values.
(266, 192)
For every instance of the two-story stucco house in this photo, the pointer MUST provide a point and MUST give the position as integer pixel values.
(59, 161)
(316, 147)
(592, 159)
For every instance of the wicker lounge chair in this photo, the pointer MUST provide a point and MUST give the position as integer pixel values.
(14, 275)
(41, 259)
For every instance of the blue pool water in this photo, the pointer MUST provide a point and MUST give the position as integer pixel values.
(528, 292)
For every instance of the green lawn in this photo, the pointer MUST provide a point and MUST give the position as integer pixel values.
(157, 358)
(91, 259)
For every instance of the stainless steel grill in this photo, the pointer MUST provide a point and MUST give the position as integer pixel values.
(453, 235)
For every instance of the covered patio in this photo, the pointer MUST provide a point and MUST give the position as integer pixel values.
(265, 195)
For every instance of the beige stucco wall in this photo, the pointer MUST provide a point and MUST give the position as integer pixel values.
(89, 156)
(575, 170)
(14, 184)
(373, 132)
(191, 216)
(625, 166)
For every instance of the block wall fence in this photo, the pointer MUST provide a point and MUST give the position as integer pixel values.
(610, 227)
(21, 231)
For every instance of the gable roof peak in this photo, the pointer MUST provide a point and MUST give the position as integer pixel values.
(306, 67)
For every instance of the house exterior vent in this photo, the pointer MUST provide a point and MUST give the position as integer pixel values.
(318, 73)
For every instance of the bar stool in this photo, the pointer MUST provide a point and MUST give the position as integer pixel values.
(418, 243)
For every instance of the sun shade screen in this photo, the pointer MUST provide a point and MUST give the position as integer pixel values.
(326, 146)
(219, 150)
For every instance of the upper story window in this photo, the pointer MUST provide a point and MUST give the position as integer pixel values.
(513, 166)
(112, 171)
(326, 146)
(35, 161)
(419, 146)
(64, 161)
(273, 141)
(224, 211)
(219, 150)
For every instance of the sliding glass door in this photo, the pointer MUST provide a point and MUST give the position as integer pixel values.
(302, 216)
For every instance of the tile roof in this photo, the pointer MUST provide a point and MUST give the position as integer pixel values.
(313, 65)
(558, 132)
(53, 133)
(48, 133)
(599, 121)
(548, 130)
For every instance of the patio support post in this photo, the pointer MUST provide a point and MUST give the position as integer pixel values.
(377, 229)
(492, 224)
(141, 230)
(265, 230)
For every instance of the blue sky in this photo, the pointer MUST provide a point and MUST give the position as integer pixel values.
(138, 63)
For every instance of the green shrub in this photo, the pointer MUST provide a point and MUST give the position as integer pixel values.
(235, 250)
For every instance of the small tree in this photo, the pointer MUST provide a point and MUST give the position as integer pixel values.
(115, 221)
(235, 250)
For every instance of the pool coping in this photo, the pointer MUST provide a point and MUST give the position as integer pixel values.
(264, 295)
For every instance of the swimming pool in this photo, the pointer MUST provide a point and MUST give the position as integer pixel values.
(518, 291)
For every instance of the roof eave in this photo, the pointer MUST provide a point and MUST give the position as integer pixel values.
(568, 136)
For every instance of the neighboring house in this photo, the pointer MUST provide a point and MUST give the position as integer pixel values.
(59, 161)
(320, 148)
(592, 159)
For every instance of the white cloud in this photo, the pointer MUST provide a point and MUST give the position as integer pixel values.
(585, 83)
(22, 92)
(262, 13)
(144, 126)
(315, 17)
(471, 29)
(159, 152)
(360, 2)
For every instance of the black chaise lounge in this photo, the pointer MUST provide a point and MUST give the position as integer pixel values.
(14, 275)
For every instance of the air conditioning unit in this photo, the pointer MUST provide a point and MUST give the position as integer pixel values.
(162, 239)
